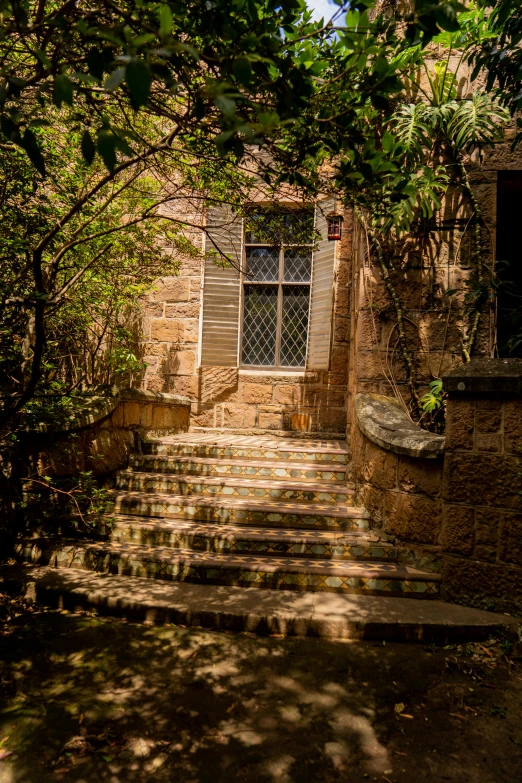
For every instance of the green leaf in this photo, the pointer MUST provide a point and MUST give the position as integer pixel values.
(29, 144)
(88, 147)
(114, 80)
(242, 70)
(139, 80)
(106, 147)
(165, 20)
(63, 90)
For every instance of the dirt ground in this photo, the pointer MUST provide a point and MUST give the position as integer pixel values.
(85, 700)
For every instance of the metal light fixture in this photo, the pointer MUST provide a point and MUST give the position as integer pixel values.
(335, 227)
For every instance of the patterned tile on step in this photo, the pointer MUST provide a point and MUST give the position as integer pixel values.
(250, 511)
(232, 487)
(276, 573)
(248, 447)
(218, 467)
(252, 540)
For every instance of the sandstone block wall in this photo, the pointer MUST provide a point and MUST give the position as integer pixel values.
(404, 497)
(104, 446)
(481, 532)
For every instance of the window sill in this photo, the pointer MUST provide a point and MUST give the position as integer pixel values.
(275, 371)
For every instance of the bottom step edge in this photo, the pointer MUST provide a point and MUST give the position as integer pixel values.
(334, 616)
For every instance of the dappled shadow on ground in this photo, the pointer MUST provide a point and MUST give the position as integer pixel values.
(86, 700)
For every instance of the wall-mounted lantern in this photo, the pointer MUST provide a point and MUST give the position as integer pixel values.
(335, 227)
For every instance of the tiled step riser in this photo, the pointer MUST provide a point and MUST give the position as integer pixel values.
(110, 563)
(244, 546)
(242, 453)
(134, 482)
(244, 516)
(237, 469)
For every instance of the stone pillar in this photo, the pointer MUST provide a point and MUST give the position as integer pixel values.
(481, 535)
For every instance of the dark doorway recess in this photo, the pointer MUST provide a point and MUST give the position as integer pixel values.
(509, 263)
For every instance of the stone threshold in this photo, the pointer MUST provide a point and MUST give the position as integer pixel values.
(263, 612)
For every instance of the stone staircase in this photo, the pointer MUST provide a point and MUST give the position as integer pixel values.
(241, 511)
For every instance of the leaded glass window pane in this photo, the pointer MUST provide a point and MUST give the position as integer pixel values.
(262, 264)
(279, 226)
(298, 265)
(294, 325)
(260, 324)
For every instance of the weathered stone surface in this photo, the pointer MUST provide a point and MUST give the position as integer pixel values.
(513, 426)
(270, 421)
(372, 499)
(240, 416)
(460, 423)
(191, 330)
(215, 381)
(110, 450)
(482, 480)
(154, 309)
(182, 310)
(339, 360)
(202, 415)
(301, 422)
(487, 525)
(412, 517)
(288, 394)
(488, 420)
(488, 443)
(331, 419)
(498, 587)
(171, 289)
(510, 539)
(155, 349)
(458, 529)
(420, 476)
(257, 392)
(187, 385)
(380, 467)
(385, 423)
(181, 362)
(341, 330)
(486, 375)
(167, 330)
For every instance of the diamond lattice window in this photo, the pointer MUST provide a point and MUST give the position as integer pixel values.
(276, 288)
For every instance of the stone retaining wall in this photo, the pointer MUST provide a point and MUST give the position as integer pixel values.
(481, 533)
(101, 435)
(404, 497)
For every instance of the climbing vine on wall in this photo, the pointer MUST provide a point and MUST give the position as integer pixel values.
(434, 138)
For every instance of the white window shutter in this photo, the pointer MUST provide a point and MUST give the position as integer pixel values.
(321, 297)
(221, 288)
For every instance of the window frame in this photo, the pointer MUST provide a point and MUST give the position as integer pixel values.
(280, 282)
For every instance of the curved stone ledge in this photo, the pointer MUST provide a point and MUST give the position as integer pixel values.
(90, 409)
(385, 423)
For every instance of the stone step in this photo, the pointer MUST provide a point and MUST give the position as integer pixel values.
(323, 615)
(240, 511)
(228, 539)
(296, 491)
(228, 446)
(256, 468)
(283, 573)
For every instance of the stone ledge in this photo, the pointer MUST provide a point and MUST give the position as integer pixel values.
(497, 376)
(323, 615)
(385, 423)
(89, 410)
